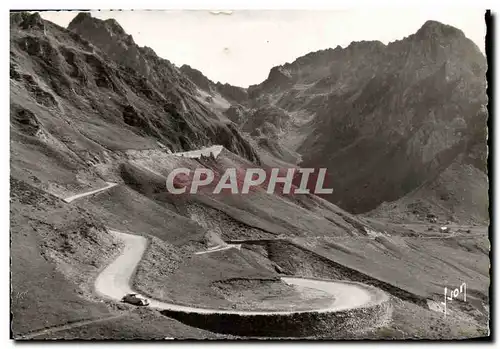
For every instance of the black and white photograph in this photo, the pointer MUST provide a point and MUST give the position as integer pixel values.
(245, 174)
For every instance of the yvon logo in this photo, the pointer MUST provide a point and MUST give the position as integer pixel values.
(454, 294)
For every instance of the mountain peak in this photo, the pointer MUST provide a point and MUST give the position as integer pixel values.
(80, 17)
(197, 77)
(434, 29)
(27, 20)
(86, 22)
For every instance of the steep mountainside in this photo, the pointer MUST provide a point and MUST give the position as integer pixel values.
(457, 194)
(90, 98)
(130, 86)
(386, 119)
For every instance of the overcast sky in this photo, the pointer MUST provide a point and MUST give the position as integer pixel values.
(241, 48)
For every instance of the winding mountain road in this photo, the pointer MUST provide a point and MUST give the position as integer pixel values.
(219, 248)
(78, 196)
(196, 154)
(115, 281)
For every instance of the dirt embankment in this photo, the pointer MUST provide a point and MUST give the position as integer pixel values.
(224, 226)
(310, 324)
(293, 259)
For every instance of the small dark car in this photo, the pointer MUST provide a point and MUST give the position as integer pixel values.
(135, 299)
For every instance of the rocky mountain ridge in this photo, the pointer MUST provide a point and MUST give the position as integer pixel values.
(384, 119)
(95, 68)
(233, 94)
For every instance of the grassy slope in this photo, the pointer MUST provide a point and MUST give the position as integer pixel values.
(277, 214)
(45, 230)
(140, 324)
(410, 321)
(456, 195)
(422, 266)
(126, 210)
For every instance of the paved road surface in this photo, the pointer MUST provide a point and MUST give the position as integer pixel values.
(220, 248)
(214, 150)
(115, 280)
(78, 196)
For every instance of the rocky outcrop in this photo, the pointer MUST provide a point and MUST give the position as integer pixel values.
(25, 119)
(237, 114)
(233, 94)
(267, 119)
